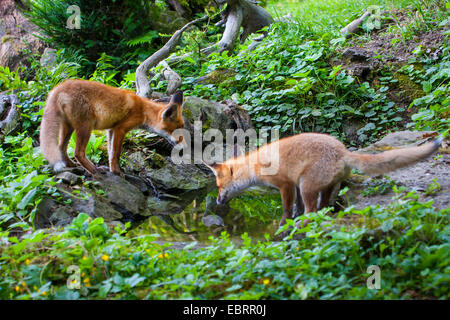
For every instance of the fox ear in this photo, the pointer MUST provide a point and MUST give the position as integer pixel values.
(213, 166)
(177, 98)
(170, 112)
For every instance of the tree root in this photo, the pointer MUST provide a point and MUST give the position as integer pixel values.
(9, 114)
(143, 88)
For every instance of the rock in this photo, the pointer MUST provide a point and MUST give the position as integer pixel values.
(178, 177)
(69, 178)
(238, 114)
(212, 220)
(215, 115)
(48, 58)
(61, 217)
(17, 34)
(399, 139)
(136, 162)
(96, 206)
(210, 113)
(357, 54)
(121, 192)
(164, 174)
(44, 211)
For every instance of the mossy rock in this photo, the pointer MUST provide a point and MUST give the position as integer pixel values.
(210, 113)
(178, 177)
(407, 87)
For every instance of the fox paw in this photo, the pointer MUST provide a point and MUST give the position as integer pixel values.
(102, 169)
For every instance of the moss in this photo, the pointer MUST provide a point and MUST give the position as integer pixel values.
(408, 87)
(158, 160)
(220, 76)
(188, 114)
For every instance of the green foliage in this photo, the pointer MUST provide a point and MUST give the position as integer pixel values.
(23, 182)
(433, 113)
(95, 149)
(288, 83)
(105, 27)
(10, 80)
(408, 240)
(378, 186)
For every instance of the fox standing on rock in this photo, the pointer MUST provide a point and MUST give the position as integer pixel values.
(84, 106)
(310, 164)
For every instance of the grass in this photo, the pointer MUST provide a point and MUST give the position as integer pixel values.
(319, 17)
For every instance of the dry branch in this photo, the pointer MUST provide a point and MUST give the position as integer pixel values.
(353, 26)
(143, 88)
(239, 13)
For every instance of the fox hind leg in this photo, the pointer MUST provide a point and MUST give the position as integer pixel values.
(83, 135)
(65, 132)
(299, 205)
(327, 196)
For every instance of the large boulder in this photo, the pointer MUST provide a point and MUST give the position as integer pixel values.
(222, 116)
(16, 35)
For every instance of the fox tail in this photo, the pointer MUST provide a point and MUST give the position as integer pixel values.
(391, 160)
(49, 134)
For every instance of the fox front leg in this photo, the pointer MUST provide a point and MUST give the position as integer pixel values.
(115, 149)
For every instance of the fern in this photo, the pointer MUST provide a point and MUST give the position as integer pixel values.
(143, 39)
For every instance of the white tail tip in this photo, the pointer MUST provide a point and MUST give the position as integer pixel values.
(59, 166)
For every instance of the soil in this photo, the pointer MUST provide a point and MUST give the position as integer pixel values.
(392, 47)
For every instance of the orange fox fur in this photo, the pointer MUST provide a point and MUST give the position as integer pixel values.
(84, 106)
(310, 164)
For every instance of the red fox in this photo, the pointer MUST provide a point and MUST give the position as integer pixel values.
(310, 164)
(84, 106)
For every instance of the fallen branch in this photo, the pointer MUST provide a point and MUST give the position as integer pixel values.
(353, 26)
(173, 79)
(143, 88)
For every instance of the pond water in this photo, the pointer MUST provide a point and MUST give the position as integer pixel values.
(257, 212)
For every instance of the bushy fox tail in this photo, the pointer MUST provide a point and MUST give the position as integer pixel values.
(50, 127)
(392, 159)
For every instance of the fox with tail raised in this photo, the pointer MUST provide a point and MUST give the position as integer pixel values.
(312, 165)
(83, 106)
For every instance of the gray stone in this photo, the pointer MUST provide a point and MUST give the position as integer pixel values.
(209, 112)
(69, 177)
(212, 220)
(181, 177)
(399, 139)
(61, 217)
(48, 58)
(121, 192)
(96, 207)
